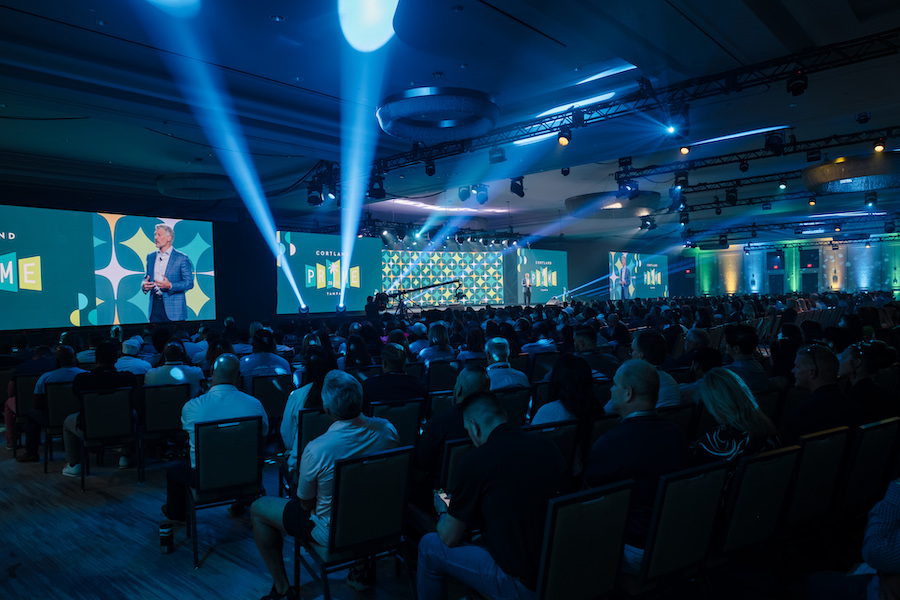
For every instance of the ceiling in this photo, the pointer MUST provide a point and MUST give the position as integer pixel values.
(96, 102)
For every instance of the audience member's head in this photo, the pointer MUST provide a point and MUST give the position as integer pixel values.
(438, 336)
(342, 395)
(572, 383)
(131, 347)
(217, 349)
(357, 353)
(695, 339)
(585, 339)
(837, 338)
(730, 402)
(852, 323)
(470, 380)
(174, 352)
(475, 340)
(95, 339)
(635, 387)
(815, 366)
(65, 356)
(792, 333)
(861, 360)
(263, 341)
(740, 340)
(482, 413)
(649, 345)
(812, 331)
(226, 369)
(393, 358)
(704, 361)
(497, 350)
(106, 354)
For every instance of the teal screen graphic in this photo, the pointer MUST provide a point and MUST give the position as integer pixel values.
(638, 276)
(547, 271)
(480, 273)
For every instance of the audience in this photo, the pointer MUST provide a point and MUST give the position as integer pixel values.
(740, 344)
(263, 360)
(393, 384)
(501, 374)
(175, 371)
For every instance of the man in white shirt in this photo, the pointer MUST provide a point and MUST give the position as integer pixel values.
(502, 375)
(129, 360)
(222, 401)
(309, 517)
(175, 371)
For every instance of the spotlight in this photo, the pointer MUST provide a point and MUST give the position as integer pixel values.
(868, 245)
(871, 198)
(813, 155)
(834, 247)
(304, 309)
(681, 180)
(564, 171)
(628, 188)
(723, 240)
(767, 205)
(464, 193)
(718, 210)
(889, 227)
(429, 167)
(837, 226)
(747, 250)
(496, 155)
(812, 200)
(384, 232)
(517, 186)
(670, 129)
(782, 185)
(753, 231)
(878, 146)
(775, 143)
(332, 193)
(684, 218)
(744, 166)
(797, 83)
(340, 309)
(565, 136)
(376, 188)
(863, 117)
(685, 150)
(731, 196)
(314, 194)
(481, 194)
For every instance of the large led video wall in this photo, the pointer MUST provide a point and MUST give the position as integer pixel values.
(62, 268)
(480, 276)
(315, 261)
(544, 273)
(638, 276)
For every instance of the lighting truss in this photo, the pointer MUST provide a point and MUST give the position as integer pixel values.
(767, 73)
(735, 233)
(737, 183)
(790, 147)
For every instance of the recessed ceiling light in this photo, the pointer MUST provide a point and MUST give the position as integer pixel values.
(277, 18)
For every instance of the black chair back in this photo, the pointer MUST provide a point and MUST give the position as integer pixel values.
(229, 456)
(405, 416)
(515, 402)
(162, 407)
(107, 415)
(454, 450)
(821, 456)
(311, 423)
(272, 391)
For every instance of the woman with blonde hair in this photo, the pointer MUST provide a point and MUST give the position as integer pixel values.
(742, 429)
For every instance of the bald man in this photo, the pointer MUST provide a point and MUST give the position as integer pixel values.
(442, 428)
(642, 447)
(222, 401)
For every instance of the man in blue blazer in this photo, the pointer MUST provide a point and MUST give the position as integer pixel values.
(169, 275)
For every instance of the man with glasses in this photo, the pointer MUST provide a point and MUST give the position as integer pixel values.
(816, 370)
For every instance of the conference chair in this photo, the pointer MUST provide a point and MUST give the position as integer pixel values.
(756, 499)
(818, 467)
(583, 539)
(442, 375)
(541, 365)
(519, 362)
(229, 461)
(272, 391)
(61, 402)
(681, 526)
(415, 369)
(685, 417)
(440, 402)
(515, 402)
(562, 434)
(768, 402)
(107, 418)
(24, 405)
(405, 416)
(454, 450)
(367, 513)
(539, 397)
(6, 375)
(602, 425)
(159, 411)
(311, 423)
(871, 456)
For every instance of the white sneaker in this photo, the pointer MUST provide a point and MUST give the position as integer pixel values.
(72, 470)
(124, 462)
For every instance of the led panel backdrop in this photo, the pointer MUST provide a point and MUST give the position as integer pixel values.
(62, 268)
(315, 261)
(638, 276)
(547, 273)
(480, 273)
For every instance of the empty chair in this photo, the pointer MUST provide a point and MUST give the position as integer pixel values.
(583, 542)
(229, 455)
(367, 514)
(818, 467)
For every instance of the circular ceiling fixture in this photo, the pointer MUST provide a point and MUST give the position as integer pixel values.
(433, 115)
(875, 171)
(195, 186)
(608, 206)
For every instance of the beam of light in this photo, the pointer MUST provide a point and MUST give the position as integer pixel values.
(577, 104)
(361, 80)
(602, 278)
(446, 231)
(734, 136)
(608, 73)
(184, 9)
(204, 91)
(451, 209)
(536, 139)
(367, 24)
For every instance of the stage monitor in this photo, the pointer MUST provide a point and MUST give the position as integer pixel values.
(479, 275)
(545, 273)
(638, 276)
(315, 262)
(62, 268)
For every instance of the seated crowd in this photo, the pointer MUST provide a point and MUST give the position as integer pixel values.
(630, 361)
